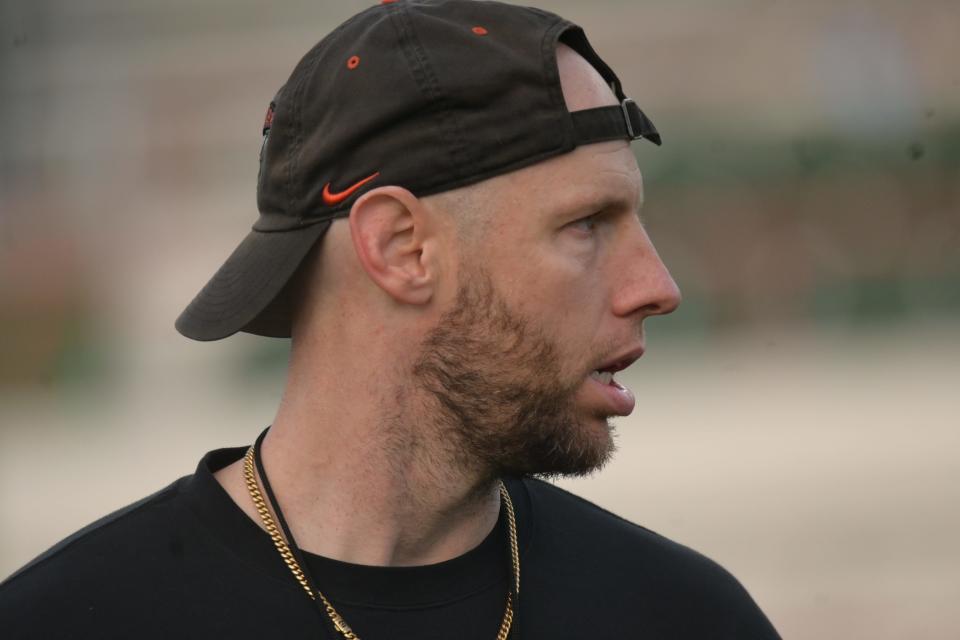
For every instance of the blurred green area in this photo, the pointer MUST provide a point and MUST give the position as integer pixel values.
(131, 120)
(820, 230)
(877, 273)
(64, 344)
(706, 156)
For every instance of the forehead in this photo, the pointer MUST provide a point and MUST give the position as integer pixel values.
(595, 175)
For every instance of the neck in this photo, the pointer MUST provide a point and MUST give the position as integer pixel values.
(361, 478)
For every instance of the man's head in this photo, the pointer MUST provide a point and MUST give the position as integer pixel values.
(510, 294)
(491, 299)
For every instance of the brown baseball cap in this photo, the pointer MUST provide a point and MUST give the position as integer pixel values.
(429, 95)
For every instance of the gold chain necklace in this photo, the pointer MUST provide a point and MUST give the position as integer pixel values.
(338, 621)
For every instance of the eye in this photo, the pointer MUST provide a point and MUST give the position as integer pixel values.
(585, 225)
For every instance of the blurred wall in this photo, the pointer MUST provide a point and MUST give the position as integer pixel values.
(806, 199)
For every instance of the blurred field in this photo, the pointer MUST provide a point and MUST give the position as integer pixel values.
(797, 418)
(821, 469)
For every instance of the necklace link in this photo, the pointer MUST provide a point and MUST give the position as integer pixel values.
(339, 623)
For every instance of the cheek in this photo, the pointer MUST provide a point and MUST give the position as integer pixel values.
(573, 274)
(568, 300)
(558, 285)
(580, 308)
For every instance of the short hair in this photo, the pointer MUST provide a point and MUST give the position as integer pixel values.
(471, 208)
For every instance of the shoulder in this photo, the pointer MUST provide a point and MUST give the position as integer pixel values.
(118, 523)
(100, 562)
(651, 579)
(577, 521)
(566, 520)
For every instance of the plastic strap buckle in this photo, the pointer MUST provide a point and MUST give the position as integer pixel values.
(627, 117)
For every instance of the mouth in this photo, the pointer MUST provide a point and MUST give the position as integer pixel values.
(604, 372)
(619, 399)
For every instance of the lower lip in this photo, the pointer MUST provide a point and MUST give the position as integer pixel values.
(620, 399)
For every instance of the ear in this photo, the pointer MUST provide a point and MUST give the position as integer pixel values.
(392, 234)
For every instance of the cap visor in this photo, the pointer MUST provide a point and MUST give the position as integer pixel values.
(250, 279)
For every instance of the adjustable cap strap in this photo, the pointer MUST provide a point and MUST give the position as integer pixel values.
(623, 122)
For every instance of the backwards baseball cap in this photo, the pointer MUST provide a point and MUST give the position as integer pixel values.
(429, 95)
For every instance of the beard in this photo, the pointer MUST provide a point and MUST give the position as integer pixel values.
(501, 402)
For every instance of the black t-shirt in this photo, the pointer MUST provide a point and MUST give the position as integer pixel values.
(187, 562)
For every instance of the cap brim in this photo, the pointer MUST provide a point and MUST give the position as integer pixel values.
(247, 292)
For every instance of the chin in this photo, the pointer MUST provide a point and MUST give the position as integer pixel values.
(585, 453)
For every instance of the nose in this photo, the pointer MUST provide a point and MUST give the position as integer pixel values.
(644, 285)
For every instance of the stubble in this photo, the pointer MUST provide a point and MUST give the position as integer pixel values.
(496, 390)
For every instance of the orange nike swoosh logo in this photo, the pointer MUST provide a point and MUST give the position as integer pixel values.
(330, 198)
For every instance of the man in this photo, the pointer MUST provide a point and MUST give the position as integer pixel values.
(449, 233)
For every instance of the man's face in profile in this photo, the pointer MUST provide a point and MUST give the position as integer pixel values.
(555, 288)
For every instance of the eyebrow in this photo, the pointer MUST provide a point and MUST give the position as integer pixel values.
(606, 203)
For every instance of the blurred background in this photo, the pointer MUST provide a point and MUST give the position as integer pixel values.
(797, 419)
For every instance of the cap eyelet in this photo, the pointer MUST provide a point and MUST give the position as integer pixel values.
(353, 62)
(480, 31)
